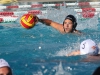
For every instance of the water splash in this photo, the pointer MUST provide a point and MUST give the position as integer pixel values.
(60, 70)
(68, 49)
(88, 23)
(61, 13)
(39, 73)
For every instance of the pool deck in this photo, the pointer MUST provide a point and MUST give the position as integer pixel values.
(55, 0)
(45, 0)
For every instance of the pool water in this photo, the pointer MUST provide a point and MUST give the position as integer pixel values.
(42, 50)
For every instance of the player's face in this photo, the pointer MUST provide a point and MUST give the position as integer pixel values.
(68, 25)
(5, 71)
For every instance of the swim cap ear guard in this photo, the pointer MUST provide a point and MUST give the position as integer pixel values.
(73, 19)
(74, 26)
(95, 52)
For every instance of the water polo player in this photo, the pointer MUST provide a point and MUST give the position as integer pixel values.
(69, 25)
(5, 68)
(87, 47)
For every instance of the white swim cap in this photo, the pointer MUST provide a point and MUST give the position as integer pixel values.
(3, 63)
(89, 47)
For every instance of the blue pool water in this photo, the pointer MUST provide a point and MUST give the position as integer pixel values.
(42, 50)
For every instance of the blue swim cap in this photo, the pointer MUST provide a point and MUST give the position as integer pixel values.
(73, 19)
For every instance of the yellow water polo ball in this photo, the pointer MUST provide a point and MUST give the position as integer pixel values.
(27, 21)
